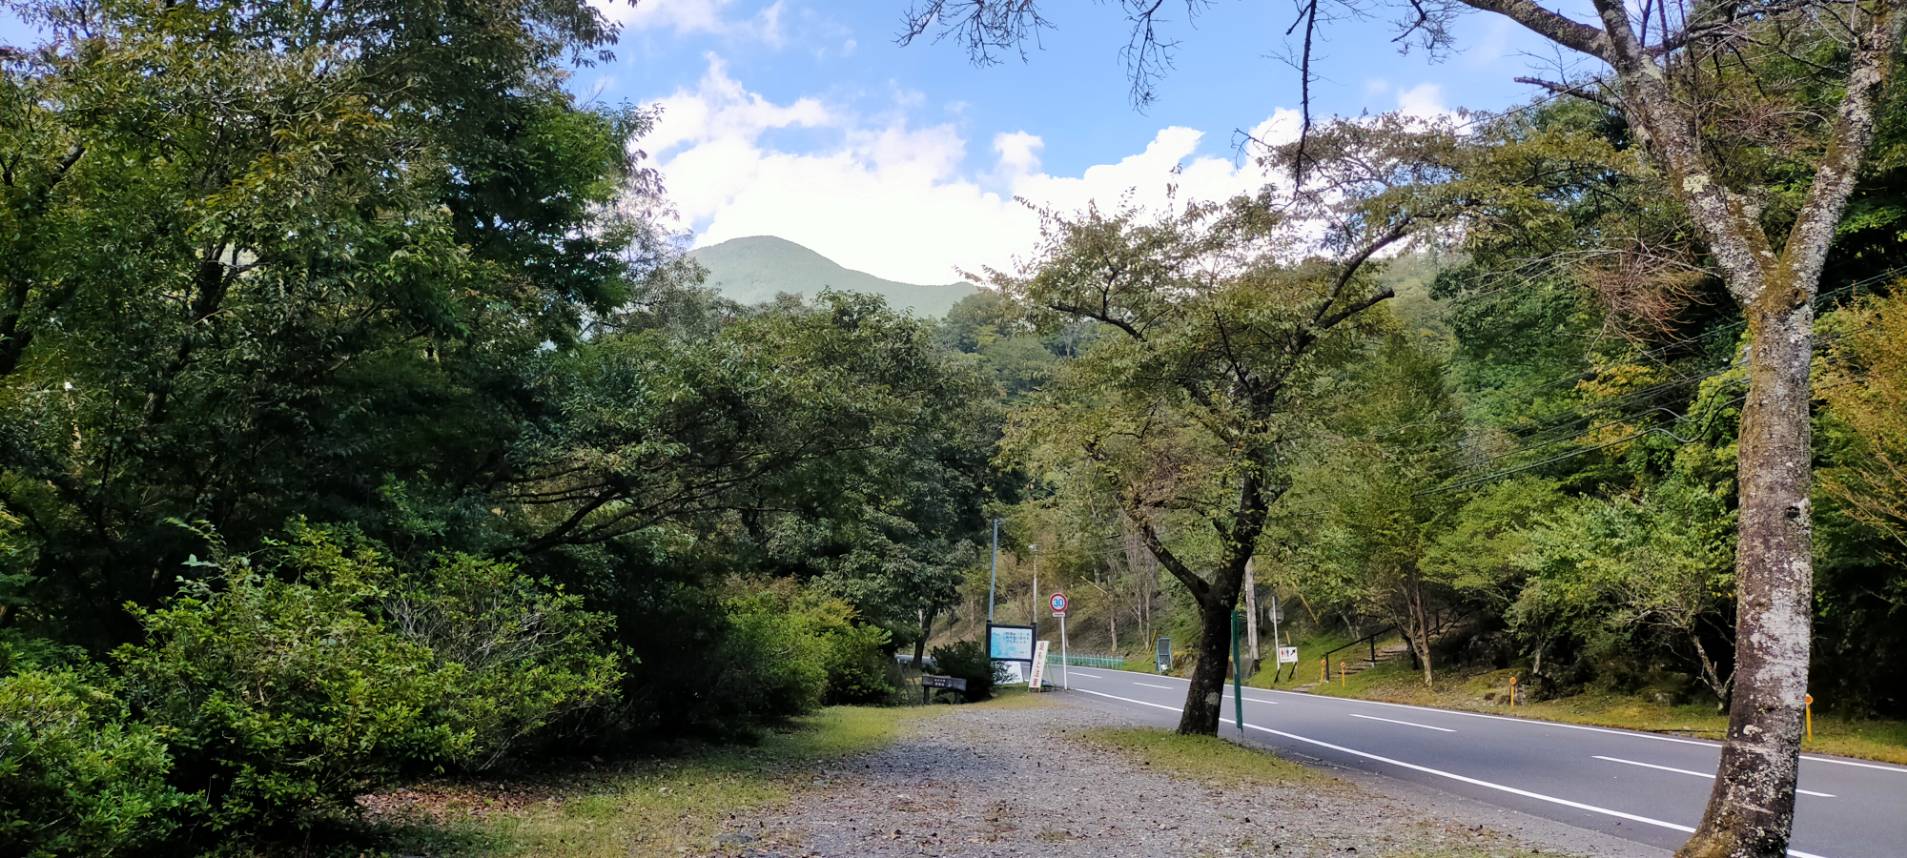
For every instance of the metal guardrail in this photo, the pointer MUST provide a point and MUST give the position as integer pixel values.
(1087, 660)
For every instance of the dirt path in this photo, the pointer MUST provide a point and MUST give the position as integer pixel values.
(1004, 781)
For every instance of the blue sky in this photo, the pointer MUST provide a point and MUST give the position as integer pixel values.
(805, 119)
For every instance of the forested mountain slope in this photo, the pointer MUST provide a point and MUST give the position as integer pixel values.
(756, 268)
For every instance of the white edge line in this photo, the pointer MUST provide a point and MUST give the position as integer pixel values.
(1689, 772)
(1793, 853)
(1542, 723)
(1405, 723)
(1089, 675)
(1150, 685)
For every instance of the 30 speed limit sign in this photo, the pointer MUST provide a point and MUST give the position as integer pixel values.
(1059, 604)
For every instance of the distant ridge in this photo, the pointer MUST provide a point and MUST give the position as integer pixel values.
(755, 268)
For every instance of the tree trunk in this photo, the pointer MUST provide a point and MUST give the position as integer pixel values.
(1205, 697)
(1751, 809)
(1422, 621)
(926, 628)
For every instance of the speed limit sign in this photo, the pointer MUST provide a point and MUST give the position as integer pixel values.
(1059, 604)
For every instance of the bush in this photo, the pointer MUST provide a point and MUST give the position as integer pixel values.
(968, 660)
(285, 699)
(523, 655)
(75, 777)
(859, 665)
(773, 659)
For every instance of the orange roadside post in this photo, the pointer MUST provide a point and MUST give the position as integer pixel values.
(1341, 683)
(1808, 703)
(1512, 691)
(1324, 670)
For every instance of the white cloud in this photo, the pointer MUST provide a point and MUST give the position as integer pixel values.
(1423, 101)
(896, 198)
(713, 17)
(1019, 152)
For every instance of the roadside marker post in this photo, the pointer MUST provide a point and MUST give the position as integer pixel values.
(1512, 691)
(1324, 670)
(1342, 681)
(1807, 703)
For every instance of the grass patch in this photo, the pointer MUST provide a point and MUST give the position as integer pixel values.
(1488, 691)
(674, 804)
(1203, 758)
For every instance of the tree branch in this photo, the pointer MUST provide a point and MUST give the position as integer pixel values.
(1872, 64)
(1550, 24)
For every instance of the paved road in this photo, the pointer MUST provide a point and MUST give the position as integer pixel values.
(1639, 786)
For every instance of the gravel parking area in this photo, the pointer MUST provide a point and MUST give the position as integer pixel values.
(1019, 780)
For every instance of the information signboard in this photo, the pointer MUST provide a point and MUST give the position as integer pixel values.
(1287, 655)
(1010, 643)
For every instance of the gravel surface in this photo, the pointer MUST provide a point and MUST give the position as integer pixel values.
(1004, 781)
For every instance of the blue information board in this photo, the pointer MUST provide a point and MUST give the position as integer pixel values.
(1010, 643)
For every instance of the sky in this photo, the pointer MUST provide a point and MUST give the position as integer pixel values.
(805, 119)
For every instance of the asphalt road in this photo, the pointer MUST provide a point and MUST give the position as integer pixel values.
(1638, 786)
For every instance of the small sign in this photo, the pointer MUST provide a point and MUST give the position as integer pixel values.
(954, 682)
(1039, 666)
(1287, 655)
(1058, 601)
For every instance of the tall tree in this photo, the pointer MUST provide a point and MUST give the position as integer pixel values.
(1192, 395)
(1684, 77)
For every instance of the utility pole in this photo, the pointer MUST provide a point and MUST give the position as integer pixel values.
(1033, 598)
(993, 576)
(1251, 613)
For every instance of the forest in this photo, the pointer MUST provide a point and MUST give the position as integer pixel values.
(361, 418)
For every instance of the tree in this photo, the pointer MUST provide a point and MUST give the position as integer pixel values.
(1190, 397)
(1684, 79)
(1363, 511)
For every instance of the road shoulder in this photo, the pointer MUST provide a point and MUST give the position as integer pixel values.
(1043, 780)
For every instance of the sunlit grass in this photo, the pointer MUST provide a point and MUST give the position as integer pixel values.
(1396, 682)
(1204, 758)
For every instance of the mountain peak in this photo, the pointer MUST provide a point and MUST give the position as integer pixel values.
(753, 269)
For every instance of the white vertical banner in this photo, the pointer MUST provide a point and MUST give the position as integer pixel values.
(1039, 666)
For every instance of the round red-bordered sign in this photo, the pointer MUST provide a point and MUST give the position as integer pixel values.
(1058, 602)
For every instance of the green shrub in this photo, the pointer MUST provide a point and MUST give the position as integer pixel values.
(773, 659)
(859, 665)
(285, 697)
(967, 660)
(523, 655)
(75, 777)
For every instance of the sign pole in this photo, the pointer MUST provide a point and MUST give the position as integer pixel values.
(1065, 676)
(1276, 641)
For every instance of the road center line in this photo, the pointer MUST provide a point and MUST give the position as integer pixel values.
(1078, 672)
(1672, 826)
(1689, 772)
(1150, 685)
(1405, 723)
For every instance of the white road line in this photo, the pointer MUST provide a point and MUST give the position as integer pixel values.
(1087, 675)
(1673, 826)
(1537, 722)
(1405, 723)
(1688, 772)
(1150, 685)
